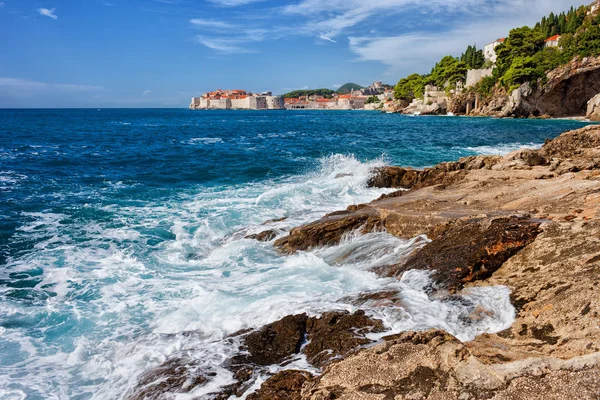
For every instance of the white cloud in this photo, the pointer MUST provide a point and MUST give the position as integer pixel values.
(147, 93)
(210, 23)
(224, 45)
(323, 37)
(233, 3)
(417, 51)
(27, 85)
(51, 13)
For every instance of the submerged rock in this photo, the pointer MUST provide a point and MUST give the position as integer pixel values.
(264, 236)
(176, 375)
(284, 385)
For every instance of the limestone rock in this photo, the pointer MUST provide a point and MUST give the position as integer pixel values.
(593, 108)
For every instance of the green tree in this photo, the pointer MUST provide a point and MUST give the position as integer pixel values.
(473, 58)
(411, 87)
(448, 69)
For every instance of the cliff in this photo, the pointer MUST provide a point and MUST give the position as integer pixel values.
(566, 93)
(529, 220)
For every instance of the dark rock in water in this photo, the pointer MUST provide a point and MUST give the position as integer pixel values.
(284, 385)
(274, 220)
(265, 236)
(176, 375)
(393, 177)
(471, 250)
(337, 333)
(328, 230)
(274, 342)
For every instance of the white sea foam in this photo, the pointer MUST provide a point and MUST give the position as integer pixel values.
(502, 149)
(123, 301)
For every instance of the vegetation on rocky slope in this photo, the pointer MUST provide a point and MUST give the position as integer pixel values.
(522, 57)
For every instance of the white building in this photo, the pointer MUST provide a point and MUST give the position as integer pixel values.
(489, 51)
(552, 41)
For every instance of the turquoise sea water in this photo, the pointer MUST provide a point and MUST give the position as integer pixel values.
(122, 231)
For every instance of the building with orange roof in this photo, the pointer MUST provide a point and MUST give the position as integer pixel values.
(552, 41)
(489, 51)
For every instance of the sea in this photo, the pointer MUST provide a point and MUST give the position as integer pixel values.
(122, 234)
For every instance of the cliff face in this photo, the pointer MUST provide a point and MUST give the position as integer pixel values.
(567, 92)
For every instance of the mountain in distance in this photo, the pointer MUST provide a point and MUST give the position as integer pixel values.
(348, 87)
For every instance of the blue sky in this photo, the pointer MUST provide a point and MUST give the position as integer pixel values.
(159, 53)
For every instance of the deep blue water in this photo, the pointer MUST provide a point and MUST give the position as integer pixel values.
(118, 226)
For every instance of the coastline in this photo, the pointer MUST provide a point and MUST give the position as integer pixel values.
(527, 221)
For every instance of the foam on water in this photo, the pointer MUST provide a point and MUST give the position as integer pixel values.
(97, 303)
(502, 149)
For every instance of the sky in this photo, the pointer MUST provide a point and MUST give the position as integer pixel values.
(160, 53)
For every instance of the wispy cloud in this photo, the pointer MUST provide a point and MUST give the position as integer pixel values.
(1, 4)
(51, 13)
(327, 38)
(147, 93)
(28, 85)
(210, 23)
(224, 45)
(233, 3)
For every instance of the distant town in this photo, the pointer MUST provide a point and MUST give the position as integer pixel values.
(372, 97)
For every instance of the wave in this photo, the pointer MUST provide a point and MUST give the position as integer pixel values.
(502, 149)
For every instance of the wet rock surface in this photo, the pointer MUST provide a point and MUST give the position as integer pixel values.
(471, 250)
(284, 385)
(325, 338)
(336, 334)
(176, 375)
(264, 236)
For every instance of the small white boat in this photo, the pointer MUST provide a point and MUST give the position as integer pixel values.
(417, 113)
(450, 114)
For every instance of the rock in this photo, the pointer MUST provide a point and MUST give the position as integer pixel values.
(435, 365)
(176, 375)
(566, 93)
(593, 108)
(284, 385)
(471, 250)
(337, 333)
(275, 342)
(264, 236)
(328, 230)
(442, 174)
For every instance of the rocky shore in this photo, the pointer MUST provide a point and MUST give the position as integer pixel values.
(529, 220)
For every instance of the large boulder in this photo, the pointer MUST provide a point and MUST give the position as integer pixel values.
(593, 108)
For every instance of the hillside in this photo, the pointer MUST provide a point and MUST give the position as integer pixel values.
(348, 87)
